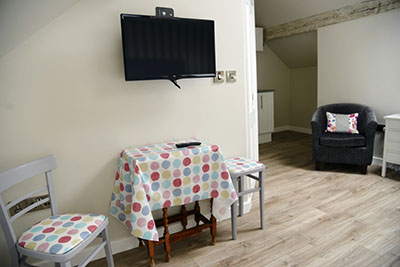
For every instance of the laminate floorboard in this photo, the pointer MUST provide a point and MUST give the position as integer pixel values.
(332, 217)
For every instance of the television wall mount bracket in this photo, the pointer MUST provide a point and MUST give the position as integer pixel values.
(165, 12)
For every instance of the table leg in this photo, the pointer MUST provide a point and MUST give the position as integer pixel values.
(167, 244)
(197, 213)
(184, 218)
(213, 229)
(150, 250)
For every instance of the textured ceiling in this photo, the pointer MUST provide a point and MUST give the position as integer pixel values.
(297, 50)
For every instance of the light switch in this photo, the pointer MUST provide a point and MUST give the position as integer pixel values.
(219, 77)
(231, 76)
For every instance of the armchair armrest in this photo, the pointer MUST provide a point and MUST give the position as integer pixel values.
(370, 126)
(318, 122)
(318, 125)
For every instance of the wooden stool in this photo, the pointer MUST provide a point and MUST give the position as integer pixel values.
(238, 169)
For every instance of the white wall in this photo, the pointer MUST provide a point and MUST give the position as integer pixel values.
(19, 19)
(359, 61)
(303, 96)
(272, 73)
(63, 92)
(295, 90)
(288, 64)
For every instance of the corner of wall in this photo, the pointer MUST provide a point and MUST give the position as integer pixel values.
(273, 73)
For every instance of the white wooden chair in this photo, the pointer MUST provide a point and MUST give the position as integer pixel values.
(57, 238)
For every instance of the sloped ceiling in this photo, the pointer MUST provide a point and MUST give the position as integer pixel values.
(20, 19)
(297, 50)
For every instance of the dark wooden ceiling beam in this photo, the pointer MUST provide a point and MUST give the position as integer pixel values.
(359, 10)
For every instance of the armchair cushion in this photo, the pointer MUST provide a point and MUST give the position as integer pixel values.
(342, 123)
(342, 140)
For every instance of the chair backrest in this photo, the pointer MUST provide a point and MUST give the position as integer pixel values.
(345, 108)
(348, 108)
(17, 175)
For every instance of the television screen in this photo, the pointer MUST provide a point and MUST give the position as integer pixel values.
(167, 48)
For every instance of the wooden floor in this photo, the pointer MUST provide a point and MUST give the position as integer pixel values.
(333, 217)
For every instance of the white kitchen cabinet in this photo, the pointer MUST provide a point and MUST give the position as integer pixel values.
(265, 115)
(391, 148)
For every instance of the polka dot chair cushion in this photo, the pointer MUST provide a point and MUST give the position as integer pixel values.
(243, 165)
(59, 234)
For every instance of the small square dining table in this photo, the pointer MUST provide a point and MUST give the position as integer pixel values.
(158, 176)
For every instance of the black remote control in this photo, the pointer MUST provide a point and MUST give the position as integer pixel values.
(180, 145)
(194, 143)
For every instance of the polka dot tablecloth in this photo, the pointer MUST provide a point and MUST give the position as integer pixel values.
(160, 176)
(59, 234)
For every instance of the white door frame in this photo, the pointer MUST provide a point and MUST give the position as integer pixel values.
(251, 80)
(251, 91)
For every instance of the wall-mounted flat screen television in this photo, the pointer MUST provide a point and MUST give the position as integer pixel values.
(167, 48)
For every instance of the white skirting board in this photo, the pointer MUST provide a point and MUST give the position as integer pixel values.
(377, 161)
(264, 138)
(293, 129)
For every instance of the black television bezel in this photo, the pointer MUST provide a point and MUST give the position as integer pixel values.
(175, 77)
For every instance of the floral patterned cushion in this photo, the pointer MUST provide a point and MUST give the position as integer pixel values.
(242, 165)
(342, 123)
(59, 234)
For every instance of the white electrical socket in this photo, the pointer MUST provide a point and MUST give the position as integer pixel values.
(231, 76)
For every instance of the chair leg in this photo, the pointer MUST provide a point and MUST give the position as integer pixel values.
(241, 198)
(364, 169)
(317, 166)
(234, 211)
(107, 248)
(234, 215)
(261, 185)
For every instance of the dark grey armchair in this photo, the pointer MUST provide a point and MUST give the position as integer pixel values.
(344, 148)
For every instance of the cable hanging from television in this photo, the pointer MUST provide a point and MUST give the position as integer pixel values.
(176, 83)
